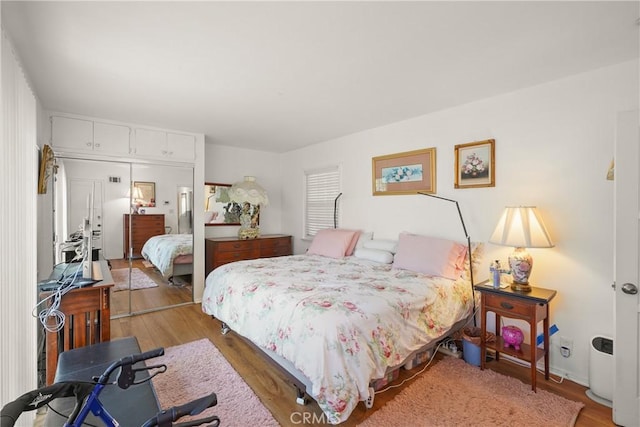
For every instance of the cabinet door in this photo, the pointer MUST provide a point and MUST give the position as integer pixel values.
(109, 138)
(181, 147)
(150, 143)
(74, 134)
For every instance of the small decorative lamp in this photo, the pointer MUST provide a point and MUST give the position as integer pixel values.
(521, 227)
(250, 196)
(135, 194)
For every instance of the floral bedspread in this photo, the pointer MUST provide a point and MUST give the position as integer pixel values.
(162, 250)
(341, 322)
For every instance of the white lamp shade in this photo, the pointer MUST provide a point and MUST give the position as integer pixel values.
(137, 193)
(248, 191)
(521, 227)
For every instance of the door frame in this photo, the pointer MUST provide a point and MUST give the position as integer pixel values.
(626, 398)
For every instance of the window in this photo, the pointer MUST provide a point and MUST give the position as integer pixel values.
(322, 186)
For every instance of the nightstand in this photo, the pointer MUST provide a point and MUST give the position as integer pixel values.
(531, 307)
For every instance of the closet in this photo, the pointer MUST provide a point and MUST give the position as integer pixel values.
(98, 160)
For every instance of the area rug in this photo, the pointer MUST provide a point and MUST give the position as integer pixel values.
(139, 280)
(454, 393)
(198, 368)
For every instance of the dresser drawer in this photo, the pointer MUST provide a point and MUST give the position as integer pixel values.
(282, 242)
(235, 246)
(230, 256)
(275, 251)
(497, 303)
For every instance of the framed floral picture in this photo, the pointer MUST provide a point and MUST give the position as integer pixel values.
(405, 173)
(475, 164)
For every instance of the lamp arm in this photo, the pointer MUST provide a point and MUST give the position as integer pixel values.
(335, 211)
(464, 228)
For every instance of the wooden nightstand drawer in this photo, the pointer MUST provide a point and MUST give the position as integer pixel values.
(512, 306)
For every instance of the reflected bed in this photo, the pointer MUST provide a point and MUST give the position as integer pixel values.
(170, 254)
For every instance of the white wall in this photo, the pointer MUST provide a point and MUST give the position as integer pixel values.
(227, 165)
(554, 143)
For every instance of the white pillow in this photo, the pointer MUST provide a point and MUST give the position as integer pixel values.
(376, 255)
(364, 237)
(382, 244)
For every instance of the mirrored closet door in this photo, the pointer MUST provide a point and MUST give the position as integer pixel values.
(141, 222)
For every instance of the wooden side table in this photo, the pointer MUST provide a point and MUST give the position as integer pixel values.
(88, 319)
(531, 307)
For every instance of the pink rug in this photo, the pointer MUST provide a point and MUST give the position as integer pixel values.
(454, 393)
(196, 369)
(139, 280)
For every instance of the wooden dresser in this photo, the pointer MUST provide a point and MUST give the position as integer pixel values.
(142, 228)
(222, 250)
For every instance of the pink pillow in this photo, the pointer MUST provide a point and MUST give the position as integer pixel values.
(354, 240)
(334, 243)
(430, 255)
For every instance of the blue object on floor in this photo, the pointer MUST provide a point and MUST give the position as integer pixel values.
(471, 353)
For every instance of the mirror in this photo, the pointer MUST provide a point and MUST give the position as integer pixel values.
(140, 284)
(218, 207)
(144, 194)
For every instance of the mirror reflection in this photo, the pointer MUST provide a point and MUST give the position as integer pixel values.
(149, 253)
(144, 194)
(218, 207)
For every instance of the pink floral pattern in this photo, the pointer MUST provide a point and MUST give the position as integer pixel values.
(341, 322)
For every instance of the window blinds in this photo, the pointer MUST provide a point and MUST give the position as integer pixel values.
(322, 187)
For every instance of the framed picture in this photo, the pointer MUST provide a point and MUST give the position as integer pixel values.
(220, 210)
(405, 173)
(475, 164)
(144, 194)
(46, 164)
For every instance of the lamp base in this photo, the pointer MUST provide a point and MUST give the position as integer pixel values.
(248, 233)
(521, 264)
(521, 287)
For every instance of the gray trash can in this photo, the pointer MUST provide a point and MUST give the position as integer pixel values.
(601, 370)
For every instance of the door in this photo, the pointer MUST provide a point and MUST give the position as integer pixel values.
(85, 201)
(626, 399)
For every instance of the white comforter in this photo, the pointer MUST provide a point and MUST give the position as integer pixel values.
(340, 322)
(162, 250)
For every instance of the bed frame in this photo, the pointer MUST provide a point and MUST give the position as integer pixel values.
(302, 383)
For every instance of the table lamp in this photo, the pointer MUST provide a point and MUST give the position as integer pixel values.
(135, 196)
(521, 227)
(250, 196)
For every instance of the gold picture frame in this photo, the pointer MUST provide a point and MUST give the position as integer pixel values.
(410, 172)
(146, 192)
(475, 164)
(46, 165)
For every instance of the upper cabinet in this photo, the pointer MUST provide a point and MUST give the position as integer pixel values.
(83, 135)
(80, 135)
(164, 145)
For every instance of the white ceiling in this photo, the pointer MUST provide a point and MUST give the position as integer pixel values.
(276, 76)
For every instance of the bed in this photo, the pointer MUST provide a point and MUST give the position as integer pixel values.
(337, 324)
(170, 254)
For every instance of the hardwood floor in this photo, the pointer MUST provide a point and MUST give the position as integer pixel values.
(183, 324)
(165, 294)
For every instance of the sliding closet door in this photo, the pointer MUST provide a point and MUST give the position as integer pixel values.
(97, 191)
(160, 237)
